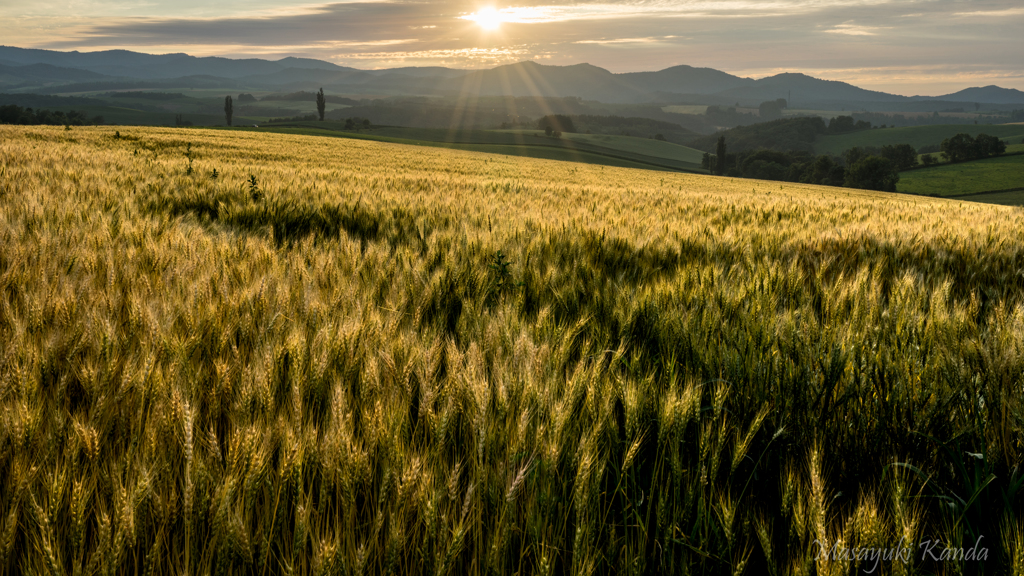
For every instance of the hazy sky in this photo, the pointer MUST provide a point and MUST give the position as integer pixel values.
(927, 47)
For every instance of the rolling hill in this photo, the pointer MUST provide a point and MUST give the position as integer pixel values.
(679, 84)
(983, 95)
(34, 74)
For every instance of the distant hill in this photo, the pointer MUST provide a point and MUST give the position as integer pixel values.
(686, 80)
(802, 88)
(420, 72)
(41, 101)
(44, 73)
(306, 77)
(124, 63)
(785, 135)
(532, 79)
(985, 95)
(26, 69)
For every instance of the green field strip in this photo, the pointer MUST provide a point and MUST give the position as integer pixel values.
(916, 136)
(1003, 173)
(509, 146)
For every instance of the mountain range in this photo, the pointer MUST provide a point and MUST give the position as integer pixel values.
(45, 71)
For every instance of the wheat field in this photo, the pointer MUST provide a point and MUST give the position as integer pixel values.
(240, 353)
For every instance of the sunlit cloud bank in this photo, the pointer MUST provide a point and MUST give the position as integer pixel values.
(853, 30)
(648, 40)
(464, 58)
(992, 13)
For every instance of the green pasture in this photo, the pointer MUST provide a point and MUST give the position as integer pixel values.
(826, 114)
(1014, 198)
(1002, 173)
(649, 154)
(646, 146)
(685, 109)
(916, 136)
(507, 147)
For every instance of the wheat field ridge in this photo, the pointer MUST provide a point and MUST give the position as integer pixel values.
(240, 353)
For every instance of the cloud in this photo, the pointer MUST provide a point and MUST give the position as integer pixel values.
(647, 40)
(492, 56)
(992, 13)
(355, 21)
(853, 30)
(369, 21)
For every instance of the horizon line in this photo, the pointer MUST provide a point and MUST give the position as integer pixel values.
(483, 68)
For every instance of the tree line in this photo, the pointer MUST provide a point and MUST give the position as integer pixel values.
(783, 135)
(962, 147)
(626, 126)
(895, 120)
(139, 95)
(14, 114)
(303, 96)
(857, 168)
(868, 168)
(321, 105)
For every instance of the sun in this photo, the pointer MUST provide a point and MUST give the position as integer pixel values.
(487, 18)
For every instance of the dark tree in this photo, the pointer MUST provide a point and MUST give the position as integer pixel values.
(927, 160)
(840, 124)
(958, 148)
(772, 109)
(873, 173)
(985, 145)
(321, 104)
(229, 109)
(13, 114)
(826, 171)
(720, 154)
(854, 155)
(962, 147)
(843, 124)
(902, 155)
(765, 157)
(557, 123)
(764, 170)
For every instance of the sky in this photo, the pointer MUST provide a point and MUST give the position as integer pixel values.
(910, 47)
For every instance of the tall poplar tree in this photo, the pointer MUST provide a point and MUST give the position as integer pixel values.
(321, 103)
(229, 109)
(720, 161)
